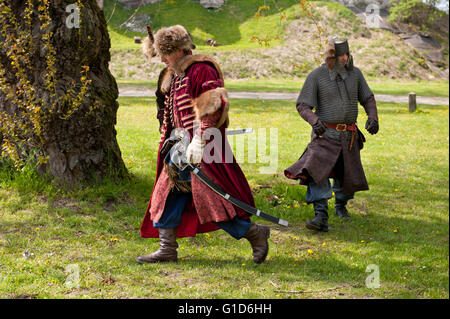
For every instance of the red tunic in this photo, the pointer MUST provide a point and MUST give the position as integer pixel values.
(206, 206)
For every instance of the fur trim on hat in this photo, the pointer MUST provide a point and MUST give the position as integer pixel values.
(330, 54)
(148, 49)
(171, 39)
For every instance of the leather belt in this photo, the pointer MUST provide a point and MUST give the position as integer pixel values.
(343, 128)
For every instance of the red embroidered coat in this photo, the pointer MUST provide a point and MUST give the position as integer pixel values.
(196, 91)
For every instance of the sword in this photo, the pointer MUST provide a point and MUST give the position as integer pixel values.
(178, 157)
(233, 200)
(240, 131)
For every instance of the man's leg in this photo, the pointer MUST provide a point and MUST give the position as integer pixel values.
(167, 226)
(257, 235)
(341, 200)
(319, 195)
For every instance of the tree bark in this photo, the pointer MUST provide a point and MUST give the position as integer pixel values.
(83, 145)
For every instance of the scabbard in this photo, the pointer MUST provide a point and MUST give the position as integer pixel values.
(233, 200)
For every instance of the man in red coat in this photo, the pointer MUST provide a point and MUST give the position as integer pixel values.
(181, 205)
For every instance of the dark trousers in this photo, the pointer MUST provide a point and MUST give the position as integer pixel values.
(325, 191)
(175, 204)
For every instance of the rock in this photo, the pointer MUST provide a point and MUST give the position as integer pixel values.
(137, 23)
(212, 4)
(382, 4)
(430, 48)
(374, 19)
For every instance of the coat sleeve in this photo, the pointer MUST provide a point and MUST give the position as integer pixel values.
(210, 99)
(306, 113)
(370, 106)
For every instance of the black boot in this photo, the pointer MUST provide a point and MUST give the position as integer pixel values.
(341, 210)
(320, 221)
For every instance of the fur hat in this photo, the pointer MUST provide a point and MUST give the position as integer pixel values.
(147, 45)
(332, 49)
(166, 41)
(171, 39)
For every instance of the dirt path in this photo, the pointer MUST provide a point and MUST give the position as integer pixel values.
(140, 92)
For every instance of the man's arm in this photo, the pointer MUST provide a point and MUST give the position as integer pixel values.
(306, 113)
(307, 99)
(211, 104)
(209, 97)
(367, 100)
(309, 116)
(370, 106)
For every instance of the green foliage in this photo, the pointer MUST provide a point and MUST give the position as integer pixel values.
(233, 24)
(26, 180)
(341, 11)
(240, 24)
(24, 131)
(416, 12)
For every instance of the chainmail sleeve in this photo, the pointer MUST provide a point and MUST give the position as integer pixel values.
(308, 94)
(364, 92)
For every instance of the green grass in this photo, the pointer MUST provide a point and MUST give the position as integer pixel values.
(401, 224)
(438, 88)
(234, 24)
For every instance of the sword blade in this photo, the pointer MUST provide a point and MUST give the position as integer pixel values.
(241, 131)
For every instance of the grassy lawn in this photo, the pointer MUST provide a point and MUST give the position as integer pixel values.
(439, 88)
(400, 225)
(233, 27)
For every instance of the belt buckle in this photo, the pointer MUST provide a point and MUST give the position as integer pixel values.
(341, 127)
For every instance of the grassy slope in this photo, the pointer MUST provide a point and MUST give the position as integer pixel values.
(234, 25)
(401, 224)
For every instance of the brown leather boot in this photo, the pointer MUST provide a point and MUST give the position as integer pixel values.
(257, 235)
(167, 248)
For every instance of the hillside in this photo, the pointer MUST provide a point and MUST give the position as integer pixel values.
(290, 52)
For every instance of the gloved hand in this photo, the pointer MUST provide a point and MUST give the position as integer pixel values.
(372, 126)
(319, 127)
(194, 151)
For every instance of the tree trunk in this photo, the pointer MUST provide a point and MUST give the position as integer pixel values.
(82, 145)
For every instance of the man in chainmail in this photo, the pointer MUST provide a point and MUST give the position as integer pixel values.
(333, 90)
